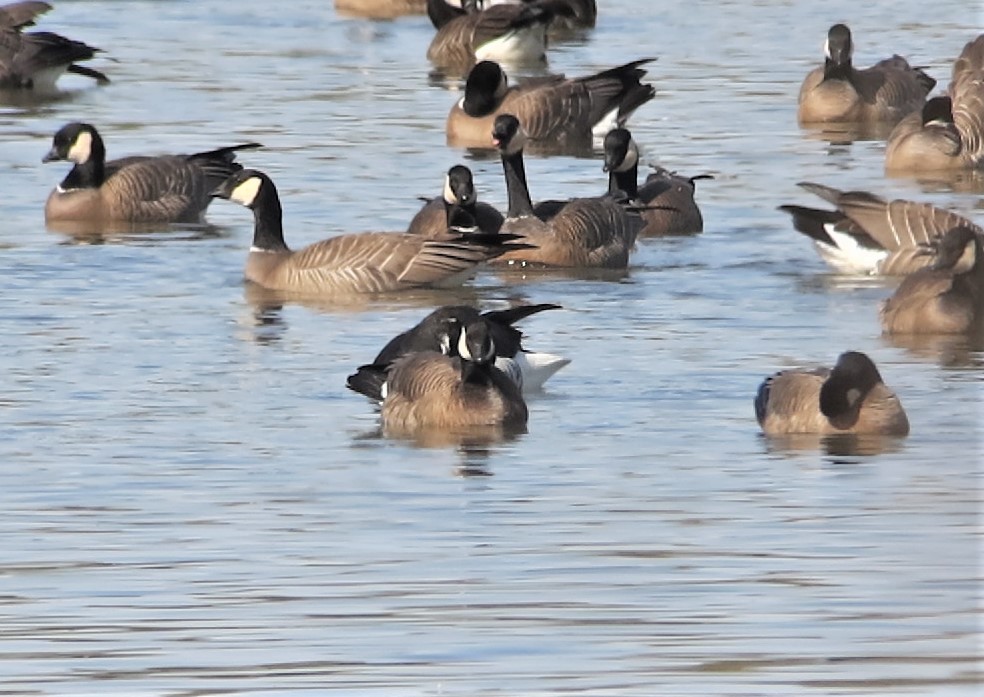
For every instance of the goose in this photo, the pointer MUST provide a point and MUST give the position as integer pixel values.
(868, 235)
(35, 60)
(440, 330)
(667, 198)
(459, 190)
(555, 111)
(514, 34)
(946, 298)
(577, 233)
(583, 13)
(850, 398)
(948, 132)
(367, 262)
(428, 389)
(840, 93)
(135, 189)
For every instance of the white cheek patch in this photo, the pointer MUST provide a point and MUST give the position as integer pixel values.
(81, 149)
(449, 196)
(631, 158)
(826, 48)
(246, 192)
(853, 396)
(463, 347)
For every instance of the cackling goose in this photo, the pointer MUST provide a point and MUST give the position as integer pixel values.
(556, 112)
(851, 398)
(946, 298)
(459, 190)
(135, 189)
(866, 234)
(840, 93)
(594, 232)
(667, 199)
(948, 132)
(368, 262)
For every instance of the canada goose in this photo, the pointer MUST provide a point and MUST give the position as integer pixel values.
(594, 232)
(946, 298)
(668, 201)
(135, 189)
(866, 234)
(514, 34)
(840, 93)
(948, 133)
(368, 262)
(380, 9)
(459, 190)
(431, 390)
(441, 329)
(554, 111)
(851, 398)
(35, 60)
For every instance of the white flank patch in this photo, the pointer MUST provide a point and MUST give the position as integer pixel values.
(246, 192)
(44, 80)
(848, 256)
(607, 123)
(527, 44)
(537, 368)
(81, 149)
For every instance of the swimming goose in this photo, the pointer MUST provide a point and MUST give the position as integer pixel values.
(668, 201)
(583, 13)
(851, 398)
(866, 234)
(554, 110)
(946, 298)
(840, 93)
(948, 133)
(431, 390)
(135, 189)
(594, 232)
(35, 60)
(367, 262)
(459, 190)
(514, 34)
(441, 329)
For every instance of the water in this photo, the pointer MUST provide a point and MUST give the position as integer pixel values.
(192, 504)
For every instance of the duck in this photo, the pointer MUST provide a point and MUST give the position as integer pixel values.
(555, 111)
(839, 93)
(134, 189)
(948, 132)
(440, 330)
(35, 60)
(866, 234)
(667, 198)
(355, 263)
(946, 298)
(851, 398)
(515, 34)
(428, 389)
(597, 232)
(459, 190)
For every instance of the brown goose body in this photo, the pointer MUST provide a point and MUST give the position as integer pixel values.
(947, 298)
(35, 60)
(867, 234)
(849, 399)
(512, 33)
(351, 264)
(666, 199)
(838, 92)
(380, 9)
(138, 189)
(594, 232)
(555, 111)
(948, 132)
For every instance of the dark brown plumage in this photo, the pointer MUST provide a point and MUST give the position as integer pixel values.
(459, 190)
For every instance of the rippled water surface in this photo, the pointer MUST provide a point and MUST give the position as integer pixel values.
(192, 504)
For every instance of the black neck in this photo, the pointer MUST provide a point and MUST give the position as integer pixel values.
(626, 181)
(837, 71)
(520, 203)
(268, 231)
(90, 174)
